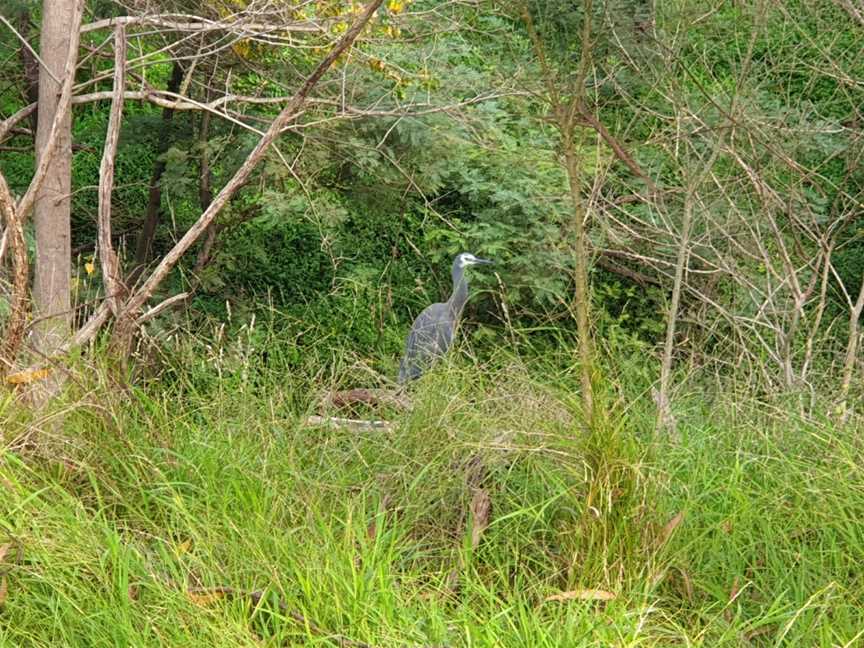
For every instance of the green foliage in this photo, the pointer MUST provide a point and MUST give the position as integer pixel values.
(257, 255)
(366, 240)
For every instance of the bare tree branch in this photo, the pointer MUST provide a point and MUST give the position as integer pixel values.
(14, 233)
(161, 307)
(193, 23)
(851, 350)
(110, 264)
(176, 101)
(620, 152)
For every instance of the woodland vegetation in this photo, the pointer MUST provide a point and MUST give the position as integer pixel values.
(219, 217)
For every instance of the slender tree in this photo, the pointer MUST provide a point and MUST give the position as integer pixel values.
(566, 107)
(52, 308)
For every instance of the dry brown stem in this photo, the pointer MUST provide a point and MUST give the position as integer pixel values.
(110, 265)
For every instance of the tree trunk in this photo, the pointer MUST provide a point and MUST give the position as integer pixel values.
(52, 208)
(582, 297)
(144, 242)
(565, 112)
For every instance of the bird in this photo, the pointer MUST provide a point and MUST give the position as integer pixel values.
(432, 332)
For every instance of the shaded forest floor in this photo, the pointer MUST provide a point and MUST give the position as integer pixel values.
(201, 512)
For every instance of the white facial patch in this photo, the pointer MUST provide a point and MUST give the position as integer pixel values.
(466, 260)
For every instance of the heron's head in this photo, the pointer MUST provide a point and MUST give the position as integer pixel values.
(467, 259)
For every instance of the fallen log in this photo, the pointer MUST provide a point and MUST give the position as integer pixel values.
(357, 425)
(348, 397)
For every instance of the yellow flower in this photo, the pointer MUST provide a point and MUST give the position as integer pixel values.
(90, 267)
(395, 6)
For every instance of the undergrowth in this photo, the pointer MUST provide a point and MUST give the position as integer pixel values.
(199, 509)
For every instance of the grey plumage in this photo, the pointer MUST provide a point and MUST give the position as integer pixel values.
(432, 332)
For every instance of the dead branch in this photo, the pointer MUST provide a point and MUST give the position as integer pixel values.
(481, 513)
(855, 13)
(665, 419)
(110, 265)
(356, 425)
(90, 329)
(346, 398)
(14, 233)
(176, 101)
(634, 275)
(619, 150)
(161, 307)
(851, 350)
(192, 23)
(29, 49)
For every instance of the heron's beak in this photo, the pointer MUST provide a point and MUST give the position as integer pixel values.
(483, 261)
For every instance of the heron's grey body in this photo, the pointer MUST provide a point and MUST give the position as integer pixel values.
(432, 332)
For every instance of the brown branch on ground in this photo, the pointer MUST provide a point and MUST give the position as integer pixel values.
(855, 13)
(348, 397)
(481, 513)
(355, 425)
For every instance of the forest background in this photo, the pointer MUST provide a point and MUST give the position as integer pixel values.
(218, 217)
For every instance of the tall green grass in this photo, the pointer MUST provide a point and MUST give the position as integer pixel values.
(123, 508)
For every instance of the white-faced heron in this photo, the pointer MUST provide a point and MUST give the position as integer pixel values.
(432, 332)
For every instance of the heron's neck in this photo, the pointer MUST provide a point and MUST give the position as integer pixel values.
(460, 292)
